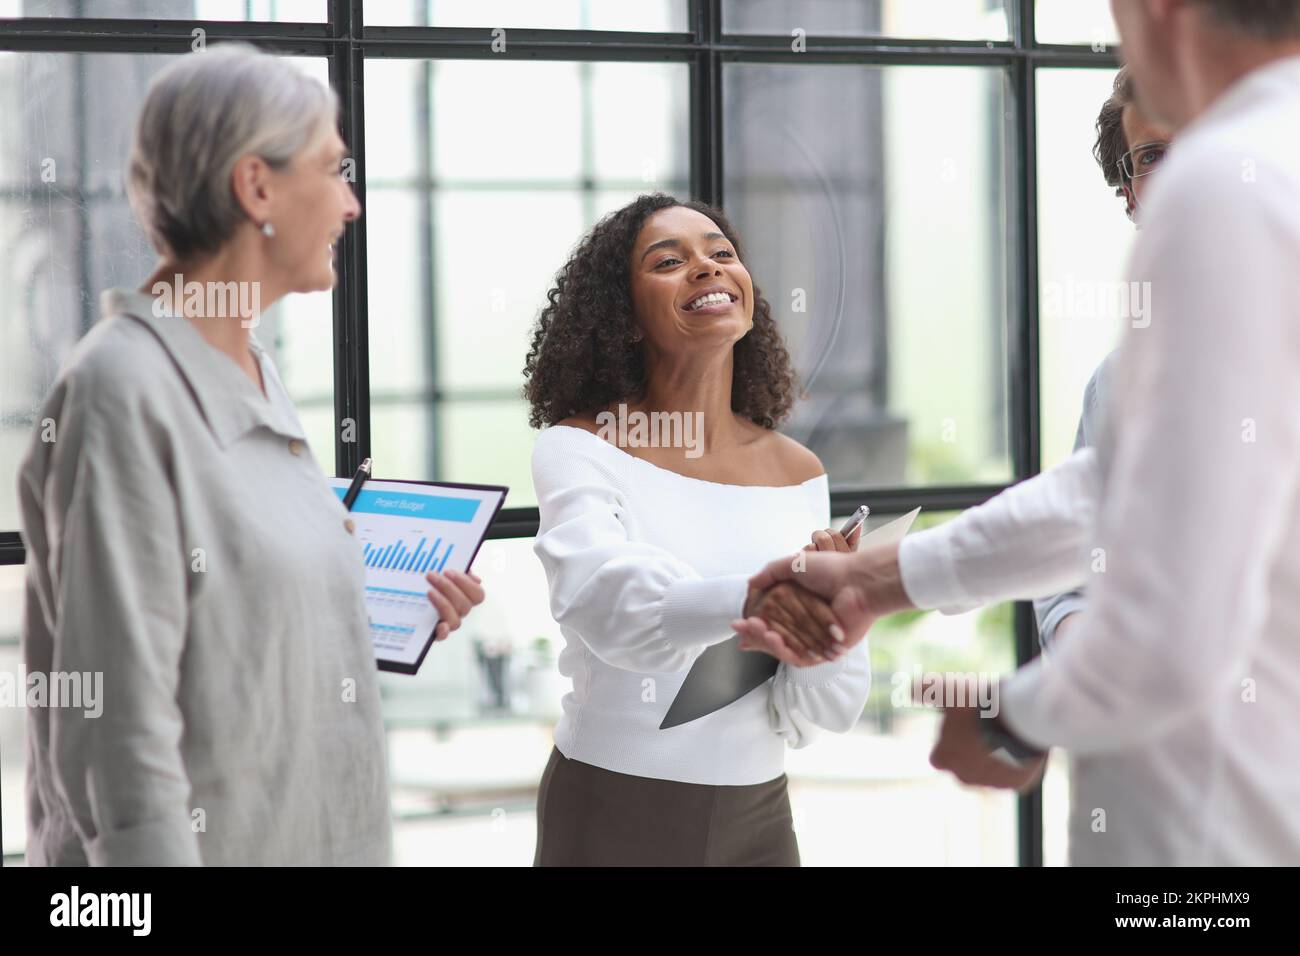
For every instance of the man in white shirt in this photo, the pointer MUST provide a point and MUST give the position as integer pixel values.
(1180, 694)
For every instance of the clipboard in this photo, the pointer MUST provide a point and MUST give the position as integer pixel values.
(724, 673)
(404, 530)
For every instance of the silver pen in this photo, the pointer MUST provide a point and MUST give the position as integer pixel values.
(855, 521)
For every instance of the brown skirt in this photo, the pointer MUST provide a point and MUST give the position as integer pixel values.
(589, 816)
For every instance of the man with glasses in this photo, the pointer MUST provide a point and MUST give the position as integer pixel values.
(1129, 147)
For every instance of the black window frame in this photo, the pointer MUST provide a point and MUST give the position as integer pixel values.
(346, 42)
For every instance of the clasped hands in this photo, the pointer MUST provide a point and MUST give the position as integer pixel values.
(814, 607)
(794, 623)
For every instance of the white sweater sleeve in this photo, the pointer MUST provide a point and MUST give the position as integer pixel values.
(635, 605)
(1029, 541)
(830, 696)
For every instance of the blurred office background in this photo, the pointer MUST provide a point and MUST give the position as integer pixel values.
(900, 207)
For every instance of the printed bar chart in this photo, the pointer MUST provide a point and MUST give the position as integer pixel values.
(413, 557)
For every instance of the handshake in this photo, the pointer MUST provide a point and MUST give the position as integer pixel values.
(812, 608)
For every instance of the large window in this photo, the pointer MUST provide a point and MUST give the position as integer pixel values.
(911, 179)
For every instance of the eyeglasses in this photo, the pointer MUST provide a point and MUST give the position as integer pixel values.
(1142, 160)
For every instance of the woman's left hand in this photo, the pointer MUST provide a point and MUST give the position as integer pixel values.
(453, 594)
(832, 540)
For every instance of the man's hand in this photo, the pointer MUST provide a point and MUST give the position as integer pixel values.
(962, 750)
(785, 606)
(860, 587)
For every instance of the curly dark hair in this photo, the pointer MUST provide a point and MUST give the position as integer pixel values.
(583, 358)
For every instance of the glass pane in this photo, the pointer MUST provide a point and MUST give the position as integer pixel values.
(654, 16)
(883, 763)
(299, 334)
(281, 11)
(65, 127)
(465, 795)
(1084, 240)
(541, 107)
(1056, 809)
(1075, 21)
(401, 439)
(482, 439)
(397, 237)
(481, 306)
(936, 19)
(880, 240)
(465, 237)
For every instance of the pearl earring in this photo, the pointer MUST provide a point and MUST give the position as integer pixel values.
(268, 230)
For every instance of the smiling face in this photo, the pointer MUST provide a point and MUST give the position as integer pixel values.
(689, 287)
(311, 203)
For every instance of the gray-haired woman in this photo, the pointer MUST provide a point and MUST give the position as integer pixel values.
(183, 544)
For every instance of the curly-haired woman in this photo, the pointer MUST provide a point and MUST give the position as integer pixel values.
(648, 544)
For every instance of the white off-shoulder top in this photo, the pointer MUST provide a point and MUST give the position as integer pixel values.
(646, 569)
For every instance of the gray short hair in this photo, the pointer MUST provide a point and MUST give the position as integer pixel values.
(200, 115)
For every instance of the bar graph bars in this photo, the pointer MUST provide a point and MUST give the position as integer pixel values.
(397, 556)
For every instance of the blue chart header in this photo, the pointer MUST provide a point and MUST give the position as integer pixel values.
(403, 504)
